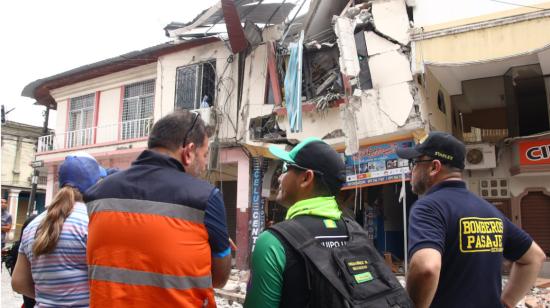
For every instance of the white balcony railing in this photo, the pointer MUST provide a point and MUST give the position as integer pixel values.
(126, 130)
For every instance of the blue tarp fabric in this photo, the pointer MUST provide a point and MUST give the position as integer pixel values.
(293, 85)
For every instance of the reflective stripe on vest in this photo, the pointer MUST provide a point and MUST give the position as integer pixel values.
(127, 276)
(146, 207)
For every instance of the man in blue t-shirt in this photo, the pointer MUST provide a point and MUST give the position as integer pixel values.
(457, 241)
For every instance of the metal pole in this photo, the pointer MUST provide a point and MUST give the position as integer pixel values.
(36, 172)
(32, 198)
(405, 245)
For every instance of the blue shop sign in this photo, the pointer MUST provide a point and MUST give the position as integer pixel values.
(376, 165)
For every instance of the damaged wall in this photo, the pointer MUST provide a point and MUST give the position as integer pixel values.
(388, 106)
(374, 53)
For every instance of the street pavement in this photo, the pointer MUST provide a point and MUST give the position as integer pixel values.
(10, 299)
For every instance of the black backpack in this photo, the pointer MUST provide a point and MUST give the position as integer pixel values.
(353, 275)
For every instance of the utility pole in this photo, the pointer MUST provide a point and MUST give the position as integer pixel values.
(37, 164)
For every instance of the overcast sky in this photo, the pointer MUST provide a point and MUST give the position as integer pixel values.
(41, 38)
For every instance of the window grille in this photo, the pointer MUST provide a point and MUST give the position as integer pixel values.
(81, 118)
(137, 109)
(196, 85)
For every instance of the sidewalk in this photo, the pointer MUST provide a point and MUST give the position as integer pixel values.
(10, 299)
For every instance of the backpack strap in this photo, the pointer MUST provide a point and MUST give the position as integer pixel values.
(355, 231)
(307, 246)
(298, 237)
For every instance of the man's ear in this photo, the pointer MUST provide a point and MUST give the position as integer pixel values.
(187, 154)
(436, 167)
(307, 178)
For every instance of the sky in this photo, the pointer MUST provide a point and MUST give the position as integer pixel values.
(41, 38)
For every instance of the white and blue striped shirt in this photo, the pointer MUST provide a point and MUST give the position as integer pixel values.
(61, 277)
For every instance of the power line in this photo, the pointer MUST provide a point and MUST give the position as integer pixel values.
(521, 5)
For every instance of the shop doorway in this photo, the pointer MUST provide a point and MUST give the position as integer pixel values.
(535, 218)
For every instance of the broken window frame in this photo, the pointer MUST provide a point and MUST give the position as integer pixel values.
(203, 81)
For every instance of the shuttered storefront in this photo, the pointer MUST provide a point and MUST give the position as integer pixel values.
(535, 218)
(504, 206)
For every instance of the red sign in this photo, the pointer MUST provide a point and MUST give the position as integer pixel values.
(534, 152)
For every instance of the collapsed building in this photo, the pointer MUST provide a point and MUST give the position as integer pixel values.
(266, 73)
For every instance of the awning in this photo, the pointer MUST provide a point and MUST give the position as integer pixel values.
(451, 75)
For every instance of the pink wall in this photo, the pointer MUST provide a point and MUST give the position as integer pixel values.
(237, 155)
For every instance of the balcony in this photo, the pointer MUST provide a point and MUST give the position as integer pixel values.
(127, 130)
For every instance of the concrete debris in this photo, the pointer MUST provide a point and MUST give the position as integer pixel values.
(353, 11)
(233, 293)
(396, 101)
(536, 298)
(363, 17)
(391, 19)
(378, 45)
(542, 283)
(323, 102)
(389, 69)
(344, 29)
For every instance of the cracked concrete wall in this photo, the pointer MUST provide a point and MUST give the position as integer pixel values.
(389, 106)
(391, 19)
(388, 109)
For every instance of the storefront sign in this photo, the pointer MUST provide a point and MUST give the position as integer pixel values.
(257, 210)
(376, 165)
(534, 152)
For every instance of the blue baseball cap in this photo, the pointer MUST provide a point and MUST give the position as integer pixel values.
(79, 172)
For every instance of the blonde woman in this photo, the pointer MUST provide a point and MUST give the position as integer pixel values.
(51, 266)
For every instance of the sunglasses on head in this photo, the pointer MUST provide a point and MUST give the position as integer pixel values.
(197, 115)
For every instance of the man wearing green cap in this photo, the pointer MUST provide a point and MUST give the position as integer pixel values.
(313, 174)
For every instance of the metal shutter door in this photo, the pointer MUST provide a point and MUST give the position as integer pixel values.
(535, 218)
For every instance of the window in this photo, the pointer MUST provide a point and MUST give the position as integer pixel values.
(196, 85)
(81, 118)
(137, 109)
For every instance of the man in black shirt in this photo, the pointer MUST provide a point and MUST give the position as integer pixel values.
(457, 241)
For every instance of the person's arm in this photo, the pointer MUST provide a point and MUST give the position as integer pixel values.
(523, 275)
(423, 276)
(427, 232)
(221, 268)
(268, 265)
(7, 226)
(218, 238)
(21, 279)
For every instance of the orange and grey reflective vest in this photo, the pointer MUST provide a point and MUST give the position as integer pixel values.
(147, 242)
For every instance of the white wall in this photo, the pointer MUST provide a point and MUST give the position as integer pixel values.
(226, 98)
(517, 183)
(432, 12)
(109, 103)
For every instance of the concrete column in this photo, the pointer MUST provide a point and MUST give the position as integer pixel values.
(243, 195)
(243, 214)
(13, 203)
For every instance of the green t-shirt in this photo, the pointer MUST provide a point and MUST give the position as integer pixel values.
(269, 259)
